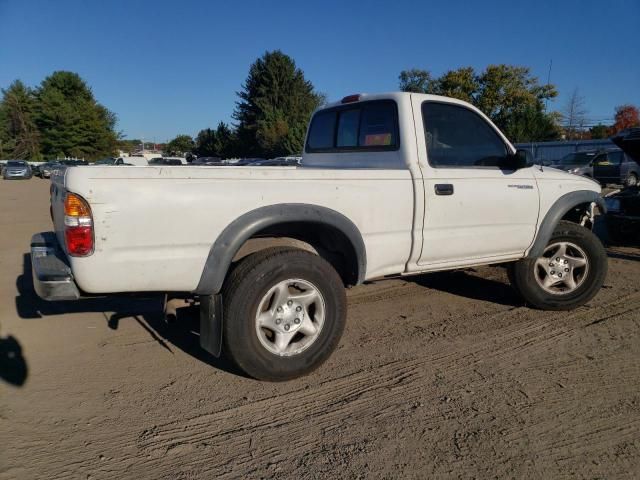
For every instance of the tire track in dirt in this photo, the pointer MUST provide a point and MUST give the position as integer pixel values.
(231, 442)
(354, 398)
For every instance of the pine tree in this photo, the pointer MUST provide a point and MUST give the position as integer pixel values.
(275, 105)
(71, 121)
(19, 137)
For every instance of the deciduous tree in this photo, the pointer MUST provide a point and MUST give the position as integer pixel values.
(180, 145)
(627, 116)
(509, 95)
(574, 114)
(599, 131)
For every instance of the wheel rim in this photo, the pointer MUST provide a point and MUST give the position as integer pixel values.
(562, 268)
(632, 181)
(290, 317)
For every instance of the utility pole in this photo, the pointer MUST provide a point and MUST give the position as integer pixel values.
(546, 102)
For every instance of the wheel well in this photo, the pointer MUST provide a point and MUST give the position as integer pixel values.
(576, 213)
(319, 238)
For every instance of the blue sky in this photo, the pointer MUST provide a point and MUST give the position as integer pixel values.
(173, 67)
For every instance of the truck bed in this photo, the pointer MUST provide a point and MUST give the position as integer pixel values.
(154, 226)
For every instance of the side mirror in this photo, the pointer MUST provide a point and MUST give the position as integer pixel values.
(520, 159)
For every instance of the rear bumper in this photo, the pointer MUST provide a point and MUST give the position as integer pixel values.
(52, 277)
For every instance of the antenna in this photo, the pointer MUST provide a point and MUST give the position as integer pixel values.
(546, 102)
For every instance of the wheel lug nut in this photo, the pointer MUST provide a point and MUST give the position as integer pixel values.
(559, 275)
(296, 321)
(551, 264)
(566, 269)
(557, 259)
(553, 272)
(287, 327)
(278, 321)
(298, 309)
(279, 309)
(290, 302)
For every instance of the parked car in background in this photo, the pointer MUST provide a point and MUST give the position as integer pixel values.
(579, 163)
(16, 169)
(165, 161)
(72, 163)
(207, 161)
(276, 162)
(623, 215)
(110, 161)
(136, 160)
(614, 166)
(45, 169)
(248, 161)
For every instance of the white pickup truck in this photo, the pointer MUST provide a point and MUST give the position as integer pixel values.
(389, 184)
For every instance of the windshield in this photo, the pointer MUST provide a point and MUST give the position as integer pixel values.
(581, 158)
(106, 161)
(16, 163)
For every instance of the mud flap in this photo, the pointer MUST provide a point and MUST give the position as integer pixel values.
(211, 323)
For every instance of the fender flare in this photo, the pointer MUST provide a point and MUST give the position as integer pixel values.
(558, 210)
(242, 228)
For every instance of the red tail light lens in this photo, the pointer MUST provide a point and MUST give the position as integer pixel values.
(78, 226)
(79, 241)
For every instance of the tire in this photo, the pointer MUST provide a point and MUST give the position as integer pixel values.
(529, 276)
(631, 180)
(266, 282)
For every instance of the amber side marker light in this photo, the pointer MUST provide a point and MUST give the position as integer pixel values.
(78, 226)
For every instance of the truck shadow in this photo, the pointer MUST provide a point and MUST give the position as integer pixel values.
(147, 311)
(463, 284)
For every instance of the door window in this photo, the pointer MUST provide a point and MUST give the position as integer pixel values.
(457, 137)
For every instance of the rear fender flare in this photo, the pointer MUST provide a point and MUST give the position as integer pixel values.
(244, 227)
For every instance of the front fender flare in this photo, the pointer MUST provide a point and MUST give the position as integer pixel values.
(557, 211)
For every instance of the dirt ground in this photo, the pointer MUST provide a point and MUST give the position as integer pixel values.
(437, 376)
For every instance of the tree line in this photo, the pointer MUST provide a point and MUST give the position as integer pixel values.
(61, 116)
(58, 118)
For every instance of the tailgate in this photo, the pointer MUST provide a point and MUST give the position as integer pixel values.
(58, 193)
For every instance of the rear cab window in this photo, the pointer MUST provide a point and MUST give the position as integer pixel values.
(363, 126)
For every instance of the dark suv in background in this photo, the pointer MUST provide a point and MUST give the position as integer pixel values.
(615, 167)
(579, 163)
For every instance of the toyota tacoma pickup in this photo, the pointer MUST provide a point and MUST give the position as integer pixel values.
(388, 185)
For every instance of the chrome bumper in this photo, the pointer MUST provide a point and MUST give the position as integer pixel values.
(52, 277)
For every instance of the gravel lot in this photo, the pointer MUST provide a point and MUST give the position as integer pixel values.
(444, 375)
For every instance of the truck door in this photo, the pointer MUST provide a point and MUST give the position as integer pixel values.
(475, 210)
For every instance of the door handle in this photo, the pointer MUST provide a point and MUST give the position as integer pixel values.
(444, 189)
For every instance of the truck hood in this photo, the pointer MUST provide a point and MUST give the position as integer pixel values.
(629, 141)
(578, 182)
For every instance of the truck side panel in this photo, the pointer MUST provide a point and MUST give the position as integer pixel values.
(154, 227)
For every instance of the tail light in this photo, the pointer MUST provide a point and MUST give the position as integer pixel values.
(78, 226)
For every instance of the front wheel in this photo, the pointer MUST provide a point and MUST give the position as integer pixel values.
(284, 313)
(569, 273)
(631, 180)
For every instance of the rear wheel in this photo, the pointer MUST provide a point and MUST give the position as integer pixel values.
(568, 274)
(632, 180)
(284, 313)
